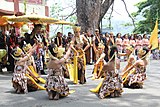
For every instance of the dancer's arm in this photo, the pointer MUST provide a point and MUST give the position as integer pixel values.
(71, 44)
(86, 41)
(66, 56)
(130, 68)
(101, 58)
(94, 47)
(29, 54)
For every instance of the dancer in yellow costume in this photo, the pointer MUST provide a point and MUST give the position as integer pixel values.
(56, 86)
(99, 59)
(130, 59)
(31, 64)
(77, 42)
(22, 81)
(112, 83)
(136, 77)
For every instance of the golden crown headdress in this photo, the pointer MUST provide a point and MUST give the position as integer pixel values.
(17, 52)
(76, 28)
(53, 47)
(101, 45)
(142, 52)
(27, 47)
(129, 47)
(60, 52)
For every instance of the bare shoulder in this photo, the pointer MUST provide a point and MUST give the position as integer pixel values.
(106, 66)
(139, 62)
(131, 57)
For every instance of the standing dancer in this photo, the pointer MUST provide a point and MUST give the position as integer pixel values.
(79, 55)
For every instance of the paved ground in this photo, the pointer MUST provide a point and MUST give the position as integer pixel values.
(149, 96)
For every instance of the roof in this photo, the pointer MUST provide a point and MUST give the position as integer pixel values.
(6, 12)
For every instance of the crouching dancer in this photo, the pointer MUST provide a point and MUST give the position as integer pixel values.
(21, 82)
(56, 85)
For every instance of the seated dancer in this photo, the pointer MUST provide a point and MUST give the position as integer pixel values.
(56, 85)
(137, 72)
(79, 56)
(130, 58)
(99, 59)
(112, 83)
(31, 63)
(21, 80)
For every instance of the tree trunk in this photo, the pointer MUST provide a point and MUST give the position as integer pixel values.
(91, 12)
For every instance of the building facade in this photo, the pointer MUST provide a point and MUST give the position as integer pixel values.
(17, 7)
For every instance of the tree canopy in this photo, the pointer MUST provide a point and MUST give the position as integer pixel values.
(150, 10)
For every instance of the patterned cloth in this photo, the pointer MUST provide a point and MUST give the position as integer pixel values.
(136, 79)
(112, 85)
(39, 60)
(56, 82)
(81, 68)
(20, 78)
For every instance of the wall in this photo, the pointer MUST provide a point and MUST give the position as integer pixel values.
(39, 9)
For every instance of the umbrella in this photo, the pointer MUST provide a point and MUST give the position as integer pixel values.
(33, 18)
(4, 21)
(63, 22)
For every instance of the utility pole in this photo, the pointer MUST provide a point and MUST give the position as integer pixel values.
(25, 6)
(16, 6)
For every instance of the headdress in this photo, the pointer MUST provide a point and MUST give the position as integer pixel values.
(26, 47)
(76, 28)
(101, 45)
(142, 52)
(130, 47)
(16, 53)
(60, 52)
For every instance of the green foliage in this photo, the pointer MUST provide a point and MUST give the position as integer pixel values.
(150, 10)
(127, 24)
(55, 9)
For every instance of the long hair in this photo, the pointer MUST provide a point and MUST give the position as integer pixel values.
(51, 48)
(145, 49)
(112, 51)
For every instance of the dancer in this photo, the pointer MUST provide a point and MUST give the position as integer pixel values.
(99, 59)
(56, 85)
(31, 63)
(130, 58)
(137, 72)
(112, 83)
(21, 82)
(79, 55)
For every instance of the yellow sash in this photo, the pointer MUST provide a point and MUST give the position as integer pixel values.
(36, 74)
(73, 68)
(96, 90)
(96, 68)
(126, 75)
(39, 86)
